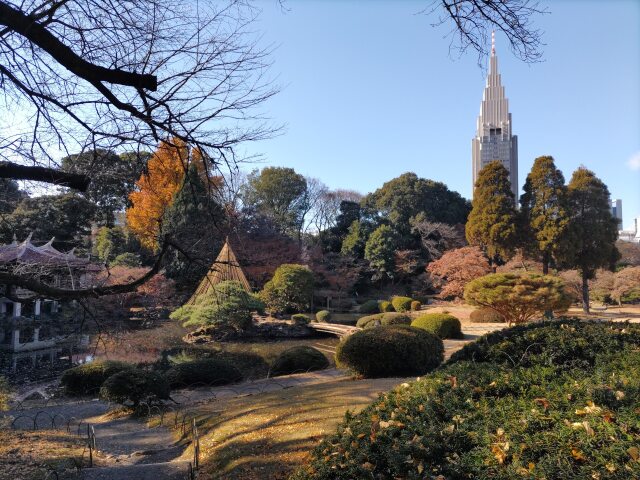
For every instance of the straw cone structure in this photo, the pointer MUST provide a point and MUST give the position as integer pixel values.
(225, 267)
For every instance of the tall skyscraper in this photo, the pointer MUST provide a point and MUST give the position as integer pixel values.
(616, 212)
(494, 139)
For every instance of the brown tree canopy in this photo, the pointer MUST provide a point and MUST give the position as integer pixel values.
(456, 268)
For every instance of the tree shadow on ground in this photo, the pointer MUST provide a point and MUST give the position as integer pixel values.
(269, 436)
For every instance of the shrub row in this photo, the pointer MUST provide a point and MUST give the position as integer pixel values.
(553, 400)
(381, 319)
(396, 304)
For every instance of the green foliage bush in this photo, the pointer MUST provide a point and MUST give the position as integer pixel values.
(88, 378)
(126, 259)
(387, 351)
(229, 304)
(518, 298)
(290, 290)
(205, 371)
(441, 324)
(300, 319)
(570, 413)
(299, 359)
(370, 306)
(416, 305)
(382, 319)
(134, 385)
(250, 363)
(385, 306)
(486, 315)
(323, 316)
(401, 304)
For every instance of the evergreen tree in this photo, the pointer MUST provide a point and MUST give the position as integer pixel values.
(195, 222)
(492, 221)
(356, 239)
(380, 251)
(544, 214)
(593, 231)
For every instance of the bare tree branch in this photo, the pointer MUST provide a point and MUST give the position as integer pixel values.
(76, 181)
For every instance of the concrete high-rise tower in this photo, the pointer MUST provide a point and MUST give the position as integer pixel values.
(494, 139)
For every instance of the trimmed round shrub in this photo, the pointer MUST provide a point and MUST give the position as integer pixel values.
(416, 305)
(381, 319)
(323, 316)
(299, 359)
(205, 371)
(441, 324)
(370, 306)
(134, 385)
(486, 315)
(389, 351)
(500, 418)
(401, 304)
(385, 306)
(300, 319)
(374, 320)
(88, 378)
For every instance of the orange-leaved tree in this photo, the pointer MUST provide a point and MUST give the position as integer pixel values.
(155, 190)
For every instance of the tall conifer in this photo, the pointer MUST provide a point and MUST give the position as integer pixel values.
(592, 229)
(544, 210)
(492, 221)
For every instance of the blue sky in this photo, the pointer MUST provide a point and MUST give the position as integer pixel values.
(370, 91)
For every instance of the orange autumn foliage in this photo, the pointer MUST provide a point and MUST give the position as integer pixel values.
(156, 188)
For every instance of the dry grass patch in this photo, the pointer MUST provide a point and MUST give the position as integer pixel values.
(31, 455)
(270, 435)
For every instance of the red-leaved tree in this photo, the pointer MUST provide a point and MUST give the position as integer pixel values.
(456, 268)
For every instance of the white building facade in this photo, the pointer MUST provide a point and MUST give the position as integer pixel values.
(494, 138)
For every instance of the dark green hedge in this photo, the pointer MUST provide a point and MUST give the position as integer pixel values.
(567, 411)
(379, 319)
(205, 371)
(441, 324)
(388, 351)
(370, 306)
(299, 359)
(134, 385)
(88, 378)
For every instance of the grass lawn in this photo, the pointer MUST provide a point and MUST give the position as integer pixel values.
(270, 435)
(30, 455)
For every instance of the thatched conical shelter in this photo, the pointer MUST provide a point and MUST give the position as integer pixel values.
(225, 267)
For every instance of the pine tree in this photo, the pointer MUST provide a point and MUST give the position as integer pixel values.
(492, 221)
(544, 210)
(590, 243)
(195, 222)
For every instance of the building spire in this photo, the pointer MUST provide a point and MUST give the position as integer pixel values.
(493, 43)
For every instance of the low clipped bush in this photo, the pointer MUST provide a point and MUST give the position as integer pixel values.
(323, 316)
(441, 324)
(300, 319)
(370, 306)
(416, 305)
(299, 359)
(383, 319)
(388, 351)
(401, 304)
(568, 414)
(135, 386)
(567, 343)
(385, 306)
(88, 378)
(205, 371)
(486, 315)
